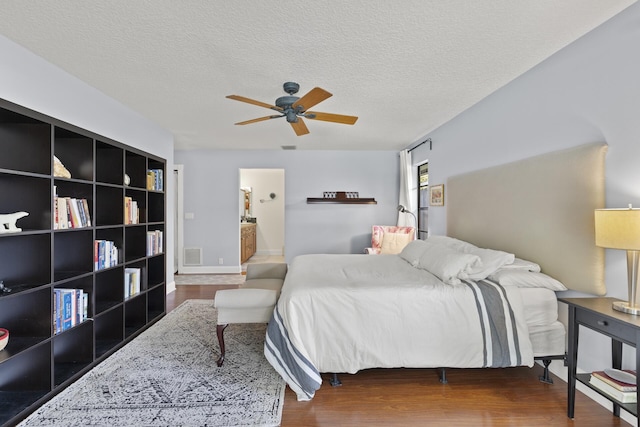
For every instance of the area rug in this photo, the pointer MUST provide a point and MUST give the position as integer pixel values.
(167, 376)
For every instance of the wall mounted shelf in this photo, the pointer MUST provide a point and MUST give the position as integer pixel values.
(342, 197)
(363, 201)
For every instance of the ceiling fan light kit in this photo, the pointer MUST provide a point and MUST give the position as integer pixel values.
(294, 108)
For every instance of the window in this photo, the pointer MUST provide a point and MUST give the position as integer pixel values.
(423, 201)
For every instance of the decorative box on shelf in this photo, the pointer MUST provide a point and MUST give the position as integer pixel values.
(347, 197)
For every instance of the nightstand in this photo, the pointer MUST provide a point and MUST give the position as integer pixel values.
(598, 315)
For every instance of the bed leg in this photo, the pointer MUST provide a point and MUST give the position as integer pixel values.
(546, 378)
(334, 380)
(442, 374)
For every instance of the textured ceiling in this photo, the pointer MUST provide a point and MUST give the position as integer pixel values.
(403, 68)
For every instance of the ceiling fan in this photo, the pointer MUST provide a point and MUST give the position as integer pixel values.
(295, 108)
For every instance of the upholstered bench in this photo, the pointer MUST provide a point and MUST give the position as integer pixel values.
(252, 302)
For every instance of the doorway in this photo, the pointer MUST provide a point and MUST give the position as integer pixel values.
(262, 199)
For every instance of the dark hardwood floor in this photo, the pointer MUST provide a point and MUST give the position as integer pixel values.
(414, 397)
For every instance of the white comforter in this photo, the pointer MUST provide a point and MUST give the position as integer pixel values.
(344, 313)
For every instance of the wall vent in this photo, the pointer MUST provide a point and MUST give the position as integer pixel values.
(192, 256)
(288, 147)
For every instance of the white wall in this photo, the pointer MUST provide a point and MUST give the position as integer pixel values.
(268, 212)
(587, 92)
(211, 194)
(31, 82)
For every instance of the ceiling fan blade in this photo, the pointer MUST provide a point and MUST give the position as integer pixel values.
(299, 127)
(257, 120)
(253, 101)
(313, 97)
(328, 117)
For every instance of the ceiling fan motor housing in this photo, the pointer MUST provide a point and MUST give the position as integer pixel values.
(291, 87)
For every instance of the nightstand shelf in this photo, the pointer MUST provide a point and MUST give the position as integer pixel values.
(598, 315)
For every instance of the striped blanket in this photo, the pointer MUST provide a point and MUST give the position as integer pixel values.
(340, 322)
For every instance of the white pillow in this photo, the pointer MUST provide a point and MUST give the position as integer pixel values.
(393, 243)
(413, 251)
(524, 264)
(491, 260)
(451, 242)
(446, 263)
(521, 278)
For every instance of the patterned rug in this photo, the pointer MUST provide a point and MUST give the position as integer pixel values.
(167, 376)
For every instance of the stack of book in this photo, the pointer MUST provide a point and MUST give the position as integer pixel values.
(155, 179)
(131, 282)
(621, 391)
(70, 213)
(131, 211)
(154, 242)
(105, 254)
(70, 307)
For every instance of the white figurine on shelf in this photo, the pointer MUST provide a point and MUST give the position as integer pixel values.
(8, 222)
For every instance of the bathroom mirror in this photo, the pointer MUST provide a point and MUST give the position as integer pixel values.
(245, 201)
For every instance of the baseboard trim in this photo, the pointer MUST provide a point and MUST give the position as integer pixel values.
(234, 269)
(269, 252)
(171, 287)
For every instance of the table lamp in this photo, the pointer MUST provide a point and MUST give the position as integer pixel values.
(620, 229)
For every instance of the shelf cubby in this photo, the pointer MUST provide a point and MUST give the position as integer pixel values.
(24, 381)
(26, 143)
(109, 289)
(156, 207)
(109, 205)
(27, 316)
(140, 197)
(85, 283)
(72, 253)
(115, 235)
(109, 163)
(135, 314)
(72, 352)
(136, 168)
(135, 243)
(25, 261)
(156, 274)
(75, 152)
(156, 302)
(109, 330)
(29, 194)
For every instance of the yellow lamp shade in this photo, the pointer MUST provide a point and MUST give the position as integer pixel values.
(618, 228)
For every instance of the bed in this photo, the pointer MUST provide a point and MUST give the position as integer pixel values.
(482, 296)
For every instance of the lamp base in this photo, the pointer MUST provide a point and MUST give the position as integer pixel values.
(626, 307)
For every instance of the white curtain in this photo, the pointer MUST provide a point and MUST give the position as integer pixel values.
(407, 184)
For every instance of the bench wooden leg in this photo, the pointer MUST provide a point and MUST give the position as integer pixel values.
(220, 331)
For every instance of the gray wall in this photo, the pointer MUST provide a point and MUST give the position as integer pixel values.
(28, 80)
(587, 92)
(211, 184)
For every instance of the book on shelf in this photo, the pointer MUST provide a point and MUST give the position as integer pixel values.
(621, 396)
(105, 254)
(131, 211)
(155, 178)
(154, 242)
(619, 385)
(131, 282)
(70, 307)
(71, 213)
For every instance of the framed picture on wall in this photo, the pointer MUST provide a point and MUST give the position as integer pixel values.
(436, 195)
